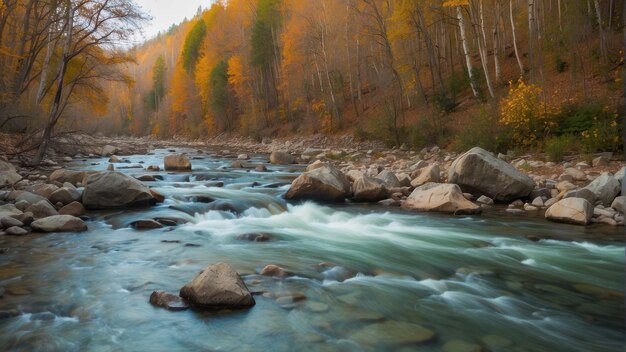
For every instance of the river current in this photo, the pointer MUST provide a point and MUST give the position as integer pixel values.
(360, 274)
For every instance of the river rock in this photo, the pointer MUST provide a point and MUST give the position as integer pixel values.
(9, 221)
(354, 175)
(440, 197)
(605, 187)
(323, 184)
(42, 209)
(571, 210)
(479, 172)
(392, 333)
(9, 210)
(574, 174)
(600, 161)
(71, 176)
(111, 189)
(460, 346)
(177, 162)
(65, 195)
(389, 178)
(31, 198)
(217, 286)
(253, 237)
(109, 150)
(426, 174)
(59, 223)
(16, 231)
(619, 175)
(168, 301)
(274, 270)
(74, 209)
(9, 177)
(281, 158)
(148, 224)
(44, 189)
(581, 193)
(618, 204)
(369, 189)
(114, 159)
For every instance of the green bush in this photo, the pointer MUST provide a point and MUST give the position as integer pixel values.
(556, 147)
(597, 126)
(482, 131)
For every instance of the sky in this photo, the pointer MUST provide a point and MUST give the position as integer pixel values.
(165, 13)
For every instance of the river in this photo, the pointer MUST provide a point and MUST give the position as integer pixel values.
(362, 270)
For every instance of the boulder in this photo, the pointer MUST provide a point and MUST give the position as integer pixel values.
(369, 189)
(571, 210)
(148, 224)
(42, 209)
(109, 150)
(479, 172)
(74, 209)
(217, 286)
(281, 158)
(71, 176)
(354, 175)
(605, 187)
(9, 177)
(600, 161)
(440, 197)
(253, 237)
(274, 270)
(315, 165)
(581, 193)
(619, 175)
(425, 175)
(16, 231)
(168, 301)
(65, 196)
(59, 223)
(44, 189)
(31, 198)
(111, 189)
(9, 210)
(6, 166)
(618, 204)
(323, 184)
(177, 162)
(574, 174)
(389, 178)
(9, 221)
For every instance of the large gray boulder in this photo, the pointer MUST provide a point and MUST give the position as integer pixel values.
(571, 210)
(479, 172)
(581, 193)
(440, 197)
(369, 189)
(281, 158)
(111, 189)
(389, 178)
(323, 184)
(59, 223)
(217, 286)
(177, 162)
(605, 187)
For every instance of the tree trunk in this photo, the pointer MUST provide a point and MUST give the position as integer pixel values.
(482, 49)
(468, 59)
(54, 115)
(517, 55)
(531, 37)
(603, 44)
(496, 42)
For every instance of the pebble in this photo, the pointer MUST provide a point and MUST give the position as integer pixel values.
(18, 231)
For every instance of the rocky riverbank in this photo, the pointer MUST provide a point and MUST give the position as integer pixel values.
(51, 198)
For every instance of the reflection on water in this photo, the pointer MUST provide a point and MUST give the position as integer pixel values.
(473, 280)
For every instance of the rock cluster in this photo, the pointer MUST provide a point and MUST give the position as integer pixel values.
(464, 184)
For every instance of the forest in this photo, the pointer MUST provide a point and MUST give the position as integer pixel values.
(540, 74)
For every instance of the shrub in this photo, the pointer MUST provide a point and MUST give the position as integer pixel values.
(482, 131)
(597, 126)
(556, 147)
(526, 113)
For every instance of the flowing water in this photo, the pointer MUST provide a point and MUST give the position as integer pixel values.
(474, 279)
